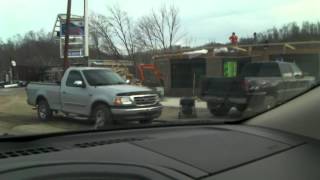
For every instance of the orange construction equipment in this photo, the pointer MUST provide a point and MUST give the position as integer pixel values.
(150, 76)
(150, 72)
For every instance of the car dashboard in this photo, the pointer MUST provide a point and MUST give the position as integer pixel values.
(178, 152)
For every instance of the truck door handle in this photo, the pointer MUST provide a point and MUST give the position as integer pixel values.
(63, 92)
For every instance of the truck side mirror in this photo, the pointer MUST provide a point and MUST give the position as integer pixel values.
(298, 76)
(79, 84)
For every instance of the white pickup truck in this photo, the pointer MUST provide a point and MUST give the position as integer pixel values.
(97, 93)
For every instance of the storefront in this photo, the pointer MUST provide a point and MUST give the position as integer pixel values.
(182, 76)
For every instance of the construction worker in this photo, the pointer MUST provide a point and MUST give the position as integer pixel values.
(234, 39)
(255, 38)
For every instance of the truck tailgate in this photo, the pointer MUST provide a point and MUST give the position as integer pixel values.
(221, 87)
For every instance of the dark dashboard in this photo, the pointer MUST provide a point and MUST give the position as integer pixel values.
(186, 152)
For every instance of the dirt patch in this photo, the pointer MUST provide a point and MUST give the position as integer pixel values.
(17, 117)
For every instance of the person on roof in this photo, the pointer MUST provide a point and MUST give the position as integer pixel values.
(234, 39)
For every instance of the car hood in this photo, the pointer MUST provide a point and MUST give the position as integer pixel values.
(124, 89)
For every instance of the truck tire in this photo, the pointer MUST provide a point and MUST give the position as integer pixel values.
(221, 111)
(101, 116)
(44, 111)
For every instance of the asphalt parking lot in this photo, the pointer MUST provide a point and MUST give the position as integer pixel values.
(17, 117)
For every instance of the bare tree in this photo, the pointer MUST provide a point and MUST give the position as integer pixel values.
(94, 35)
(123, 28)
(161, 29)
(120, 35)
(173, 23)
(159, 23)
(101, 30)
(145, 34)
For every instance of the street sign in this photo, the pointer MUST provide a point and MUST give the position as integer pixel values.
(75, 50)
(78, 37)
(76, 28)
(73, 53)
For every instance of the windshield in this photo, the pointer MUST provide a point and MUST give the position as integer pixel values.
(118, 63)
(102, 77)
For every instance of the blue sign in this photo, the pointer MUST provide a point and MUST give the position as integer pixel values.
(76, 28)
(75, 53)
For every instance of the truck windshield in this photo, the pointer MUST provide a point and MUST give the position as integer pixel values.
(261, 70)
(102, 77)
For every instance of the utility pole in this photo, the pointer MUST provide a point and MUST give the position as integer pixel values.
(66, 43)
(86, 31)
(10, 73)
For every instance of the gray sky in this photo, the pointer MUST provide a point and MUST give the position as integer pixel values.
(202, 20)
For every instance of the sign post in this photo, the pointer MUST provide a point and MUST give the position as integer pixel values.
(86, 30)
(13, 65)
(66, 43)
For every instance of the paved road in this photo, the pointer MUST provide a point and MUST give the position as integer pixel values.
(16, 117)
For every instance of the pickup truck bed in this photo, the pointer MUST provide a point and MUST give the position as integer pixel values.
(51, 90)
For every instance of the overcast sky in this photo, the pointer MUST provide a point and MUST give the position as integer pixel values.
(202, 20)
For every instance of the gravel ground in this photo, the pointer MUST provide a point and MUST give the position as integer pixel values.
(17, 117)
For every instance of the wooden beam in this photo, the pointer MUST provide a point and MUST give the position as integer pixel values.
(239, 48)
(287, 45)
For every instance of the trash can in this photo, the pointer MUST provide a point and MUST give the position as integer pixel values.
(187, 107)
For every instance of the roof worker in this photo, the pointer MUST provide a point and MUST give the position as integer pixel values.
(255, 38)
(234, 39)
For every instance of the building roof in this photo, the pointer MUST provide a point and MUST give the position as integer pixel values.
(247, 50)
(111, 62)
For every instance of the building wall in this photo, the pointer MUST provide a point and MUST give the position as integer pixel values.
(260, 58)
(165, 68)
(214, 66)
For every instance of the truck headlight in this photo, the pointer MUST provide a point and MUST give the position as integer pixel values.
(122, 100)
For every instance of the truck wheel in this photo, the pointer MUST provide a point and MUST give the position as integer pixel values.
(146, 121)
(102, 116)
(221, 111)
(44, 111)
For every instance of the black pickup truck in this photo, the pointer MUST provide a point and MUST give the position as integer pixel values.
(260, 86)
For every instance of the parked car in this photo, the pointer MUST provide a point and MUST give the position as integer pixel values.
(97, 93)
(260, 86)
